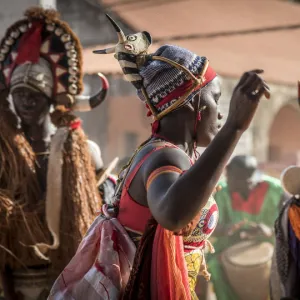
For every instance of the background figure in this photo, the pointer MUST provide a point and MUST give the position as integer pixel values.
(106, 180)
(286, 267)
(48, 193)
(248, 201)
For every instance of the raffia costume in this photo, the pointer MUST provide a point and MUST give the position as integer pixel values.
(129, 255)
(40, 230)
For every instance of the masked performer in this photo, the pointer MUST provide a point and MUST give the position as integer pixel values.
(48, 193)
(164, 197)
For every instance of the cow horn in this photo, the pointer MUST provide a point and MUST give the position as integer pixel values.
(120, 33)
(87, 103)
(105, 51)
(121, 36)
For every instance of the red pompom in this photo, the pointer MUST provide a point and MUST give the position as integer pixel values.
(75, 125)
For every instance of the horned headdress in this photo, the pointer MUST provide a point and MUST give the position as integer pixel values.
(129, 51)
(43, 36)
(41, 52)
(132, 53)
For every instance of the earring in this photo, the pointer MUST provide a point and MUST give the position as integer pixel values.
(199, 112)
(202, 108)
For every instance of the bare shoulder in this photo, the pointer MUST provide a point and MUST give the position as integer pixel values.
(166, 156)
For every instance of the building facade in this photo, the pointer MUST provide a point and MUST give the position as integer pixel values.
(120, 124)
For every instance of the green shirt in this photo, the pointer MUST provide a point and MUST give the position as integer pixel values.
(266, 214)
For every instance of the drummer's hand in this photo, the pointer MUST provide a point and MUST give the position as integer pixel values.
(260, 228)
(265, 230)
(235, 227)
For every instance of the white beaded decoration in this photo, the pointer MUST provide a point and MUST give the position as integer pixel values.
(69, 46)
(66, 38)
(23, 28)
(58, 31)
(15, 34)
(50, 27)
(73, 89)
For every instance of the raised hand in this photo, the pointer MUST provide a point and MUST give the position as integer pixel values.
(245, 99)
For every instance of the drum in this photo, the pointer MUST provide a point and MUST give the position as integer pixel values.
(247, 266)
(32, 284)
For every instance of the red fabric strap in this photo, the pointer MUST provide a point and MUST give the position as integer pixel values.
(132, 174)
(75, 124)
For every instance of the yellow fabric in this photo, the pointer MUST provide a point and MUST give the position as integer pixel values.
(193, 261)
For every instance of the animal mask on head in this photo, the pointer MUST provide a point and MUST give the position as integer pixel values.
(130, 52)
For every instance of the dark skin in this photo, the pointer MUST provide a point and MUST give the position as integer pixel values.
(175, 200)
(239, 180)
(32, 108)
(209, 126)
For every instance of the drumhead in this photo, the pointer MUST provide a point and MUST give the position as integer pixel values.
(249, 253)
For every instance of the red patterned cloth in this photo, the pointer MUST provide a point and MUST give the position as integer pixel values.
(101, 266)
(255, 201)
(169, 274)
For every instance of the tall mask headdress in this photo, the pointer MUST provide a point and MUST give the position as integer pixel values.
(130, 51)
(42, 36)
(42, 53)
(132, 54)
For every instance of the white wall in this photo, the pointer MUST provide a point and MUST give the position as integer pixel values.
(11, 11)
(48, 3)
(255, 140)
(245, 145)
